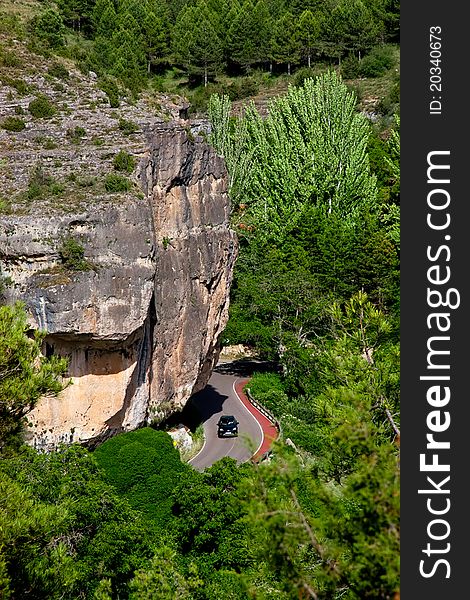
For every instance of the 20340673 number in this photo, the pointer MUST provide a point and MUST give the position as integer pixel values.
(435, 70)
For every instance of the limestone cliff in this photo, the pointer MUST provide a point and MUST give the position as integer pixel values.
(140, 311)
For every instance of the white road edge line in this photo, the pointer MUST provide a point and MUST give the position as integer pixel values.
(203, 446)
(252, 415)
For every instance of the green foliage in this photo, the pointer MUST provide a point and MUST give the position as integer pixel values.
(41, 184)
(76, 134)
(111, 89)
(17, 84)
(249, 34)
(164, 579)
(42, 108)
(209, 521)
(72, 255)
(144, 467)
(48, 28)
(115, 183)
(196, 44)
(286, 44)
(128, 127)
(58, 71)
(295, 158)
(123, 161)
(65, 528)
(8, 59)
(11, 24)
(376, 62)
(25, 374)
(13, 124)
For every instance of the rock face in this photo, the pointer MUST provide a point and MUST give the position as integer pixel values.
(140, 314)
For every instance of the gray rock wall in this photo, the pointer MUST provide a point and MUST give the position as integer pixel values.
(140, 325)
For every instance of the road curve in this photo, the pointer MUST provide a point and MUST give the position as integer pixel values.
(219, 397)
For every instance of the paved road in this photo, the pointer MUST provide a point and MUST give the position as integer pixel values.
(219, 397)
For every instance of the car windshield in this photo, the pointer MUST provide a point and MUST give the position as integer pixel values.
(227, 420)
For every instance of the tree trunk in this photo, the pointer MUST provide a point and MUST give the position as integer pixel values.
(288, 68)
(205, 77)
(309, 61)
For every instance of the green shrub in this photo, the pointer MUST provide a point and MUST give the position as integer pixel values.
(243, 88)
(377, 62)
(308, 73)
(41, 184)
(144, 467)
(350, 67)
(56, 188)
(41, 108)
(123, 161)
(38, 183)
(72, 255)
(58, 71)
(49, 144)
(85, 182)
(110, 88)
(48, 28)
(128, 127)
(262, 383)
(8, 59)
(5, 208)
(76, 133)
(114, 183)
(11, 24)
(13, 124)
(19, 110)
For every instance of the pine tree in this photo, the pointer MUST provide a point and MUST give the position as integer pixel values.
(104, 18)
(243, 37)
(286, 44)
(351, 28)
(156, 39)
(25, 374)
(196, 44)
(76, 12)
(309, 31)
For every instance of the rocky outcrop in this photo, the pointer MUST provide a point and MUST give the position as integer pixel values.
(140, 313)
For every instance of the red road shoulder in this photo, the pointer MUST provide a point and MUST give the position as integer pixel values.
(270, 431)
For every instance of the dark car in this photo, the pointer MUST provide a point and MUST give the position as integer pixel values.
(227, 426)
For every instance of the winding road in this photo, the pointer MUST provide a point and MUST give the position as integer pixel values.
(221, 396)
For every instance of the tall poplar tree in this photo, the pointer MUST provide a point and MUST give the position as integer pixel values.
(310, 150)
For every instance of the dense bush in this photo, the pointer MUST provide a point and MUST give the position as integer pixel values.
(115, 183)
(123, 161)
(8, 59)
(13, 124)
(76, 133)
(110, 88)
(128, 127)
(377, 62)
(58, 71)
(351, 67)
(42, 108)
(39, 183)
(72, 255)
(65, 530)
(144, 467)
(48, 28)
